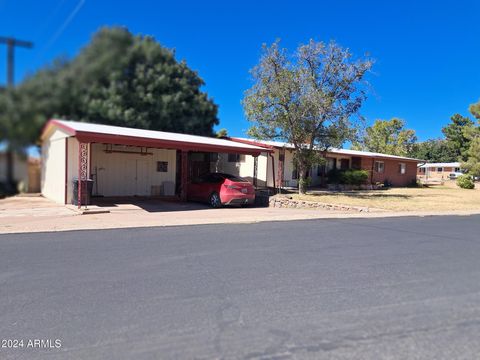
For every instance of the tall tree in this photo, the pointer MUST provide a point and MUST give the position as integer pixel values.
(388, 137)
(472, 133)
(434, 150)
(472, 164)
(118, 79)
(475, 110)
(309, 98)
(455, 135)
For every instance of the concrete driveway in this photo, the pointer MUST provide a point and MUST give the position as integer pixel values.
(30, 206)
(37, 214)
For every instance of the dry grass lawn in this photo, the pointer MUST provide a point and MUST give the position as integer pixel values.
(438, 198)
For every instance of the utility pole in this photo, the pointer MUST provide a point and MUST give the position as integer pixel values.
(11, 44)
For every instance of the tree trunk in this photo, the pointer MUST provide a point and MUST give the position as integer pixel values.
(302, 184)
(10, 165)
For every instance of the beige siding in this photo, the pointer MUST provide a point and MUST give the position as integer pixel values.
(268, 159)
(53, 167)
(287, 169)
(262, 170)
(20, 168)
(123, 174)
(72, 166)
(244, 168)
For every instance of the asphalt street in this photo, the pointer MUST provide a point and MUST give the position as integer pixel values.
(392, 288)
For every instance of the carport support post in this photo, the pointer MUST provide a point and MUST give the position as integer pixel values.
(184, 176)
(82, 170)
(255, 170)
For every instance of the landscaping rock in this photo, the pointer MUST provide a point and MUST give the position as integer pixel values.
(289, 202)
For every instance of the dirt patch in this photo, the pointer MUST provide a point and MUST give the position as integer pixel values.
(439, 198)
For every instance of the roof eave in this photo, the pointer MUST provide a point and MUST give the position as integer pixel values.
(54, 122)
(159, 143)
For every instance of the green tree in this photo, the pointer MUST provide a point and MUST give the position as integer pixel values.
(455, 135)
(472, 162)
(222, 133)
(434, 150)
(475, 110)
(118, 79)
(472, 165)
(308, 98)
(388, 137)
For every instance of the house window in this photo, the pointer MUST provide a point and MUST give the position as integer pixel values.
(402, 168)
(379, 166)
(331, 164)
(344, 164)
(421, 170)
(162, 166)
(440, 169)
(457, 170)
(356, 163)
(236, 158)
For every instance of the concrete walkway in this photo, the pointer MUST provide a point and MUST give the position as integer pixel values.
(36, 214)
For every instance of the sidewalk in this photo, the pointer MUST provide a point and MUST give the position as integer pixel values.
(20, 215)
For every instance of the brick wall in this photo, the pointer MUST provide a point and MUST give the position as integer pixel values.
(391, 171)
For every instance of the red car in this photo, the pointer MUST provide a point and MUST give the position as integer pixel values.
(219, 189)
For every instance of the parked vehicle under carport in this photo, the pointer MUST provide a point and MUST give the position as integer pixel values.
(219, 189)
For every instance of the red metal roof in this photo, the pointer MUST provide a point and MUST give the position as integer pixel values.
(96, 133)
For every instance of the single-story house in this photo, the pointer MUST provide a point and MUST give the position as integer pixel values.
(276, 167)
(438, 171)
(127, 162)
(20, 167)
(26, 172)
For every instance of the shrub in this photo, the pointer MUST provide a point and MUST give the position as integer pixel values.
(334, 176)
(354, 177)
(465, 182)
(387, 183)
(349, 177)
(307, 181)
(415, 183)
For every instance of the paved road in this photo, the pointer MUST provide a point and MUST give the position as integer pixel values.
(398, 288)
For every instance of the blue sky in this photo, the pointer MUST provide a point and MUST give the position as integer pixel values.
(427, 52)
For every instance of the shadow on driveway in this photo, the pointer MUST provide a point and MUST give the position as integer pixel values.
(147, 204)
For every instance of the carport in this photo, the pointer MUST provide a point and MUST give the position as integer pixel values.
(127, 161)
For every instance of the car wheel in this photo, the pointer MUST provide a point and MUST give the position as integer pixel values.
(215, 201)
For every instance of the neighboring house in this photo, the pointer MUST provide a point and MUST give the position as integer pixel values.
(26, 172)
(438, 171)
(276, 168)
(20, 168)
(127, 162)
